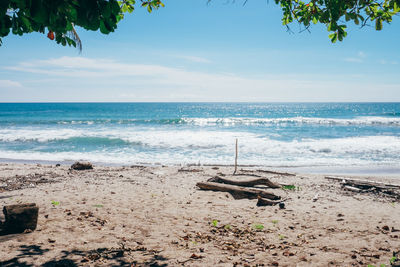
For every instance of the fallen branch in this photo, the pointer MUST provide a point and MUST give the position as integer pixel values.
(236, 191)
(250, 183)
(266, 202)
(352, 188)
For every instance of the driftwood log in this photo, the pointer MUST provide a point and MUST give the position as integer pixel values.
(236, 191)
(266, 202)
(359, 186)
(19, 218)
(365, 184)
(249, 183)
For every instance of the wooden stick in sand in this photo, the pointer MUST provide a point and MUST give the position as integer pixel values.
(236, 156)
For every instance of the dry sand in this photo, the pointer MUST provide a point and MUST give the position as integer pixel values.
(155, 216)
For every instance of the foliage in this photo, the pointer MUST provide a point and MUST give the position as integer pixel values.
(214, 223)
(289, 187)
(259, 227)
(59, 17)
(333, 12)
(55, 203)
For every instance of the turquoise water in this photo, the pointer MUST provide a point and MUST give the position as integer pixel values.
(361, 135)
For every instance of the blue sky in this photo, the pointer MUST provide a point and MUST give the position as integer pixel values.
(191, 51)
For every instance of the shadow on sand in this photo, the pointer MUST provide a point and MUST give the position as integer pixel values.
(104, 256)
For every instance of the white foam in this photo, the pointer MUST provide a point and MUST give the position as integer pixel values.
(370, 120)
(193, 146)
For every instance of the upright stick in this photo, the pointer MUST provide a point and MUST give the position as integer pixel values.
(236, 156)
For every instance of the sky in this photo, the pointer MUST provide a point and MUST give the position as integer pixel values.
(187, 51)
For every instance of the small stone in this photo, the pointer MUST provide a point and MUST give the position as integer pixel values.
(82, 166)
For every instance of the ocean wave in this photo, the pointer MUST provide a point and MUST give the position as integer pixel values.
(294, 120)
(192, 146)
(389, 119)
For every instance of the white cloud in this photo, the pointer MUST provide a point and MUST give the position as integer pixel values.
(110, 80)
(385, 62)
(195, 59)
(359, 58)
(9, 84)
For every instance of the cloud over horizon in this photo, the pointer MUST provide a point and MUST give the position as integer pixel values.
(121, 81)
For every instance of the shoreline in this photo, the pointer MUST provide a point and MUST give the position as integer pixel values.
(378, 170)
(155, 215)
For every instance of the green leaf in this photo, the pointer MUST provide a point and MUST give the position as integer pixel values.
(378, 24)
(315, 20)
(103, 28)
(333, 37)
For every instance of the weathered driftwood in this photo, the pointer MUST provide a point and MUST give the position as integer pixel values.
(236, 191)
(266, 202)
(249, 183)
(272, 172)
(352, 188)
(356, 185)
(19, 218)
(364, 183)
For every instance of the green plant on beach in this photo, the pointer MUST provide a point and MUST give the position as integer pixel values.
(214, 223)
(289, 187)
(98, 206)
(227, 227)
(281, 237)
(259, 227)
(274, 222)
(55, 203)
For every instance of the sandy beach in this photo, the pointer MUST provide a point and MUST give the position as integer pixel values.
(156, 216)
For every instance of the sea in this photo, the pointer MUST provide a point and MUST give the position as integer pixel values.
(311, 137)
